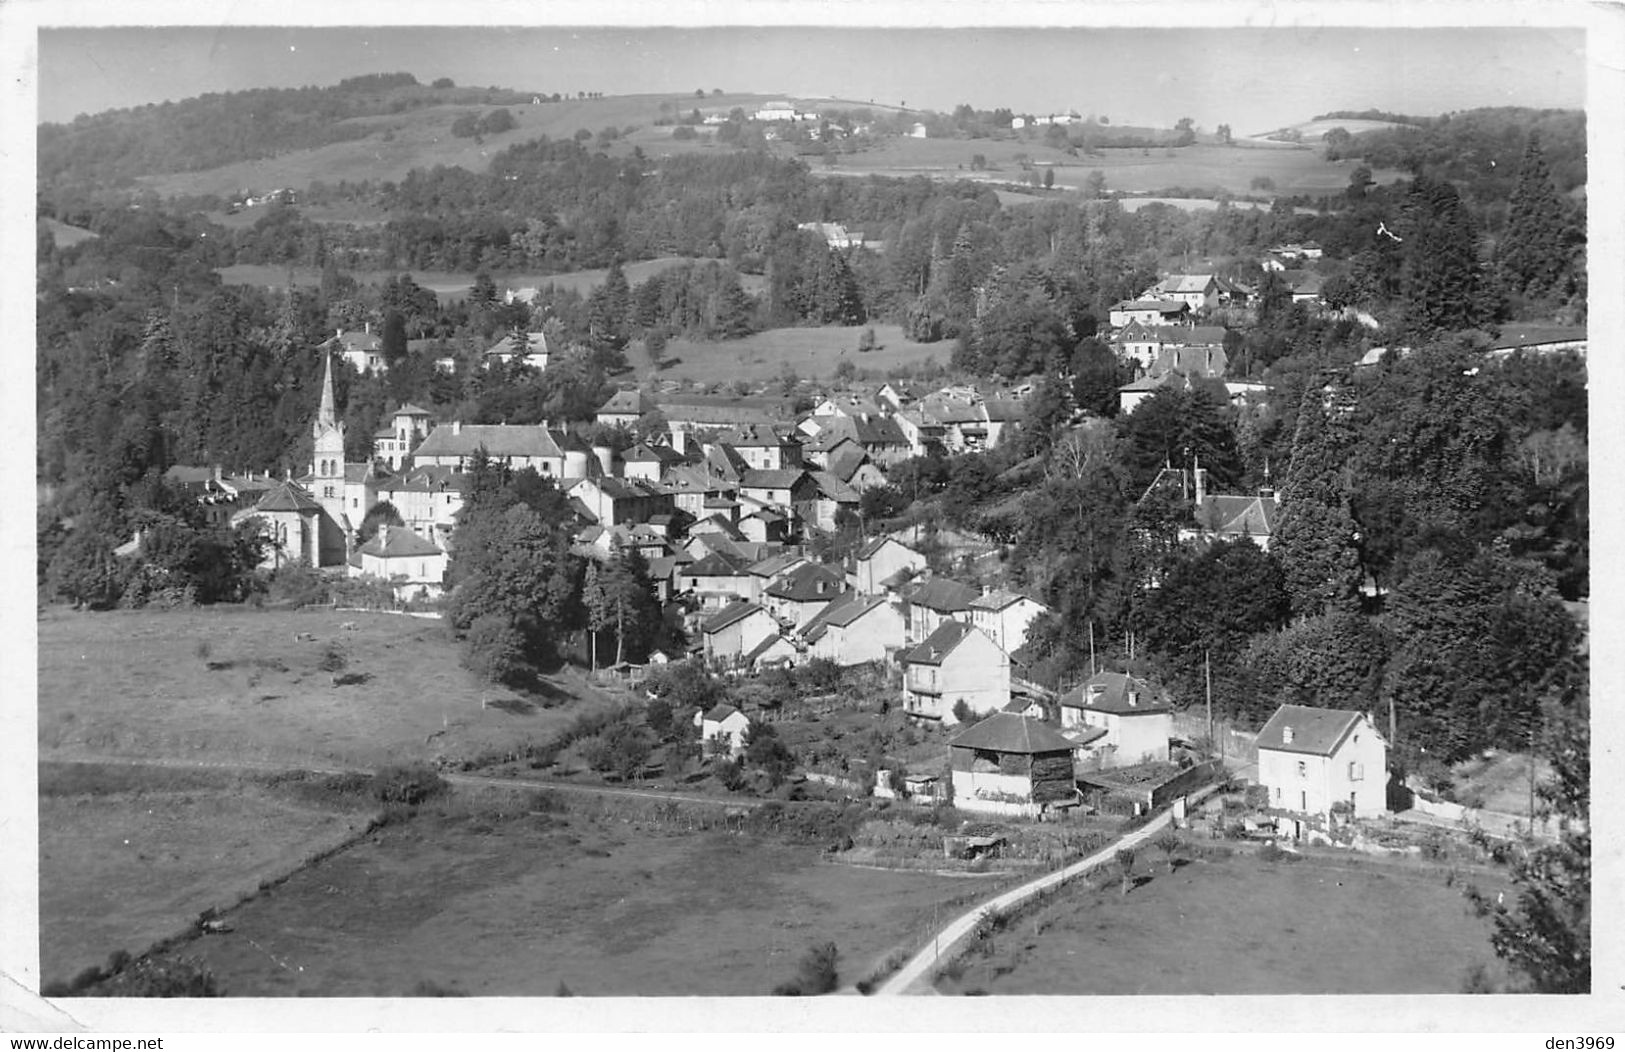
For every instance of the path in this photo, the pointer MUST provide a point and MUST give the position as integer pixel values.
(921, 964)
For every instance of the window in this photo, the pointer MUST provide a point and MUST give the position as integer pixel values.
(327, 491)
(1277, 794)
(1303, 769)
(1356, 771)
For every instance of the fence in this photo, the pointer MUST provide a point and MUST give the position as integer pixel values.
(1232, 743)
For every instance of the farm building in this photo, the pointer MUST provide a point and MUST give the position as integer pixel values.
(735, 630)
(1312, 760)
(725, 725)
(1011, 764)
(414, 567)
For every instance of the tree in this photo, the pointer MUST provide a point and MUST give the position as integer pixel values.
(1125, 867)
(1225, 135)
(1168, 841)
(815, 975)
(1049, 178)
(1177, 427)
(381, 514)
(1535, 252)
(1440, 277)
(1545, 935)
(494, 649)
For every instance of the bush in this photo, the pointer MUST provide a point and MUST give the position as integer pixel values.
(408, 784)
(180, 977)
(962, 711)
(729, 775)
(1271, 852)
(494, 649)
(815, 975)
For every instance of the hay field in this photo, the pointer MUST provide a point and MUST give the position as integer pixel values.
(812, 353)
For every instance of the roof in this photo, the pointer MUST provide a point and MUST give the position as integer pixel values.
(807, 583)
(844, 464)
(754, 435)
(286, 496)
(939, 644)
(714, 565)
(357, 341)
(773, 640)
(1174, 284)
(499, 440)
(1252, 516)
(1113, 696)
(394, 542)
(627, 402)
(774, 565)
(535, 343)
(427, 478)
(783, 478)
(999, 600)
(846, 609)
(1164, 306)
(719, 713)
(731, 614)
(941, 594)
(833, 488)
(1011, 732)
(1317, 732)
(408, 409)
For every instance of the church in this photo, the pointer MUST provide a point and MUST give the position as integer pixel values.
(315, 518)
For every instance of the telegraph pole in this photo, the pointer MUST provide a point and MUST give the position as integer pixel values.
(1207, 675)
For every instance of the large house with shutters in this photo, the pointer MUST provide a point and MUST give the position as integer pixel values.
(956, 663)
(1135, 720)
(1312, 761)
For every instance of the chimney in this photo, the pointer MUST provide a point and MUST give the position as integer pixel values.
(366, 327)
(1201, 483)
(1286, 735)
(218, 472)
(456, 427)
(606, 460)
(1133, 699)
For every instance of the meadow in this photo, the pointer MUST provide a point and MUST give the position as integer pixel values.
(131, 855)
(239, 684)
(599, 903)
(1227, 921)
(811, 353)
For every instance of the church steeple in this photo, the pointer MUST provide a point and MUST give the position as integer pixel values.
(327, 415)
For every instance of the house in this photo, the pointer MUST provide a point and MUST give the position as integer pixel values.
(917, 131)
(774, 650)
(649, 463)
(409, 426)
(1147, 312)
(853, 467)
(624, 408)
(834, 234)
(724, 725)
(854, 629)
(766, 571)
(1197, 291)
(612, 501)
(764, 525)
(878, 436)
(956, 663)
(931, 602)
(734, 631)
(1005, 617)
(414, 567)
(427, 500)
(1136, 719)
(532, 351)
(1011, 764)
(785, 488)
(764, 447)
(831, 497)
(1130, 395)
(716, 580)
(881, 564)
(515, 445)
(1144, 344)
(363, 350)
(1314, 760)
(798, 595)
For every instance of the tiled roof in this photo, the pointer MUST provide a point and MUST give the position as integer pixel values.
(939, 644)
(942, 594)
(806, 584)
(624, 402)
(715, 565)
(783, 478)
(286, 496)
(535, 343)
(755, 435)
(731, 614)
(1114, 689)
(1317, 732)
(845, 463)
(833, 488)
(499, 440)
(429, 478)
(999, 600)
(391, 542)
(411, 410)
(1012, 733)
(1227, 515)
(774, 565)
(719, 713)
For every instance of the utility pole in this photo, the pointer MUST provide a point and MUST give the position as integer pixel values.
(1092, 669)
(1207, 675)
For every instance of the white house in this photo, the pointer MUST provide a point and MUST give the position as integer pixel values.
(723, 723)
(882, 564)
(534, 353)
(955, 663)
(735, 630)
(797, 596)
(1312, 760)
(518, 446)
(1138, 721)
(854, 629)
(415, 568)
(1005, 617)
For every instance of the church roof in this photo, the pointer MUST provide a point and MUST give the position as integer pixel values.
(287, 496)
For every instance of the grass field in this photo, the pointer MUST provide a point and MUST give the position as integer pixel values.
(455, 284)
(140, 683)
(129, 856)
(515, 907)
(1241, 925)
(1292, 170)
(64, 235)
(813, 353)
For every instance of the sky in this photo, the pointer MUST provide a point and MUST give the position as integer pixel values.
(1252, 79)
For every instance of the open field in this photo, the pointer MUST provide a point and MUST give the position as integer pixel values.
(65, 235)
(234, 683)
(813, 353)
(130, 856)
(1324, 924)
(517, 906)
(1292, 170)
(455, 284)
